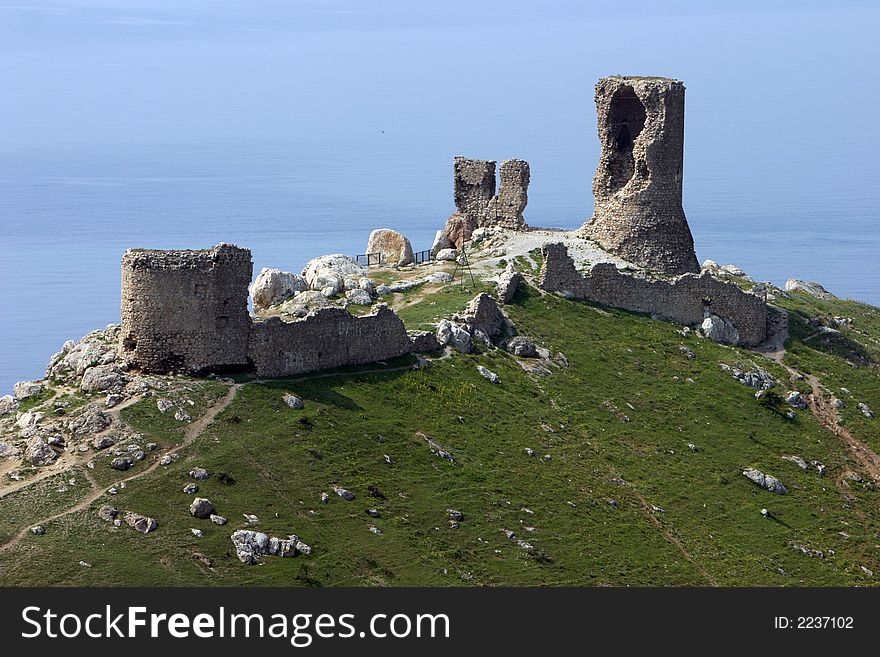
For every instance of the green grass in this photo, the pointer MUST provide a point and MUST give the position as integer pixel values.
(615, 424)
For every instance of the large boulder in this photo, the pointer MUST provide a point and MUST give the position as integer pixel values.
(719, 330)
(394, 247)
(140, 523)
(441, 243)
(358, 297)
(103, 378)
(453, 335)
(25, 389)
(272, 286)
(201, 508)
(765, 481)
(329, 272)
(250, 546)
(39, 453)
(809, 287)
(459, 228)
(446, 254)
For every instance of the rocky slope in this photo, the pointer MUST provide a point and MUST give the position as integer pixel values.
(593, 447)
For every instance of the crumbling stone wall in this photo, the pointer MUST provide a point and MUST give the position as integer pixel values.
(326, 338)
(685, 299)
(477, 203)
(638, 183)
(186, 310)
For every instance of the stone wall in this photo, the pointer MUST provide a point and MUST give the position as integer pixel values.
(637, 187)
(326, 338)
(685, 299)
(186, 310)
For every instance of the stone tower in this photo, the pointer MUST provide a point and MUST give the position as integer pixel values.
(186, 310)
(637, 188)
(478, 205)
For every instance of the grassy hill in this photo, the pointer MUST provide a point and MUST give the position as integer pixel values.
(637, 437)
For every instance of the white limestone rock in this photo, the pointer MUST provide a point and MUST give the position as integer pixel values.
(273, 286)
(796, 400)
(103, 378)
(24, 389)
(446, 254)
(508, 283)
(454, 336)
(765, 481)
(488, 374)
(358, 297)
(330, 271)
(809, 287)
(719, 330)
(8, 404)
(38, 452)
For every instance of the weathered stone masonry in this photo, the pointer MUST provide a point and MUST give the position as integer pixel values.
(638, 183)
(685, 299)
(326, 338)
(187, 311)
(476, 202)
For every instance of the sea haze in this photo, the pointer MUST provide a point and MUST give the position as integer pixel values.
(296, 129)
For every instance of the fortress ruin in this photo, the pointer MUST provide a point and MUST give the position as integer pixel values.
(476, 202)
(638, 183)
(186, 311)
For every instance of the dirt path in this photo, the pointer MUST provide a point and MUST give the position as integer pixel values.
(192, 432)
(820, 404)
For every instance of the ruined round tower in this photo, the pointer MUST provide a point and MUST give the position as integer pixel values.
(186, 311)
(637, 188)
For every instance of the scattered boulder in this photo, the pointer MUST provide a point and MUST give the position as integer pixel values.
(293, 401)
(508, 283)
(809, 287)
(330, 271)
(191, 489)
(108, 513)
(250, 518)
(455, 515)
(197, 533)
(199, 474)
(164, 405)
(273, 286)
(797, 460)
(483, 313)
(182, 416)
(103, 442)
(488, 374)
(765, 481)
(38, 530)
(38, 451)
(201, 507)
(755, 378)
(29, 419)
(522, 347)
(439, 277)
(24, 389)
(796, 400)
(394, 247)
(218, 520)
(446, 254)
(122, 463)
(866, 410)
(345, 494)
(140, 523)
(103, 378)
(837, 403)
(358, 297)
(168, 459)
(719, 330)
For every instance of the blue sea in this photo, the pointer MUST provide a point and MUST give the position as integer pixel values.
(297, 143)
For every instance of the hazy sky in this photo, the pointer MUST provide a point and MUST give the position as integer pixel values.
(164, 70)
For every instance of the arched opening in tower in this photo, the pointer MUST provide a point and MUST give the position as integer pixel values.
(626, 119)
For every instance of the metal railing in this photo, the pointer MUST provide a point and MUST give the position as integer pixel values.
(423, 256)
(369, 259)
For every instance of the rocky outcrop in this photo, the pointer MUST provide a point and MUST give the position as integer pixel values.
(808, 287)
(24, 389)
(393, 246)
(765, 481)
(250, 546)
(638, 183)
(719, 330)
(103, 378)
(330, 272)
(273, 286)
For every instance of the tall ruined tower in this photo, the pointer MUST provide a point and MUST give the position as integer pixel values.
(186, 310)
(637, 188)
